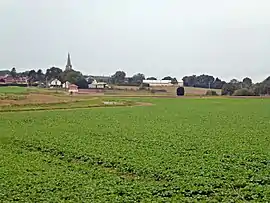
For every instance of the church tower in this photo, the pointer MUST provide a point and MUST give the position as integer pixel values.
(68, 66)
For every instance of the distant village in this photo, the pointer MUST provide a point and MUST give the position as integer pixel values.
(73, 80)
(32, 78)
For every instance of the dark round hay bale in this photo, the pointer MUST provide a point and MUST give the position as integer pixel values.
(180, 91)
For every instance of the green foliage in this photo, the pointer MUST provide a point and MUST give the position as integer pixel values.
(247, 83)
(211, 93)
(53, 73)
(228, 89)
(167, 78)
(178, 150)
(74, 77)
(138, 78)
(13, 72)
(203, 81)
(32, 76)
(71, 76)
(243, 92)
(151, 78)
(118, 77)
(174, 81)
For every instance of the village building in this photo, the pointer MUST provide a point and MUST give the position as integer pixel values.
(158, 83)
(66, 84)
(72, 88)
(161, 83)
(97, 85)
(55, 83)
(8, 79)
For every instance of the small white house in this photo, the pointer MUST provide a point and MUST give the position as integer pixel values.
(97, 85)
(55, 83)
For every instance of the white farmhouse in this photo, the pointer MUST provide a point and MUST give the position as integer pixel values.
(55, 83)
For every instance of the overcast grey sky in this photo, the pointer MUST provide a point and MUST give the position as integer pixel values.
(224, 38)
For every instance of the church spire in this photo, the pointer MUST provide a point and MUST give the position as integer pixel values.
(68, 66)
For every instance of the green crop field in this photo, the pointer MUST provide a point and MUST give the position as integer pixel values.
(177, 150)
(13, 90)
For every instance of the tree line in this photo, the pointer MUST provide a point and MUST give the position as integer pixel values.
(52, 73)
(245, 87)
(120, 78)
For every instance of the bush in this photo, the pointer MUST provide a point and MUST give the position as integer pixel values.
(211, 93)
(243, 92)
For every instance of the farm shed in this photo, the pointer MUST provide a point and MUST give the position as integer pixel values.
(159, 83)
(97, 85)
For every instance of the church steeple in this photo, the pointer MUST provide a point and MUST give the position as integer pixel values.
(68, 66)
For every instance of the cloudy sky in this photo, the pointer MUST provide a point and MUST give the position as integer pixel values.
(224, 38)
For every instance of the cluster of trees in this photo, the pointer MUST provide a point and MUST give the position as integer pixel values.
(238, 88)
(71, 76)
(203, 81)
(246, 87)
(120, 78)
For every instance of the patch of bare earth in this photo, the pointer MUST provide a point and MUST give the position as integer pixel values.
(37, 99)
(143, 104)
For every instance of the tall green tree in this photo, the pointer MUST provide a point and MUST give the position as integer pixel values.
(118, 77)
(40, 76)
(32, 76)
(13, 72)
(53, 73)
(218, 84)
(74, 77)
(190, 81)
(138, 78)
(247, 82)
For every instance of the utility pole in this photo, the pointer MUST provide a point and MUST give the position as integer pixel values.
(46, 81)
